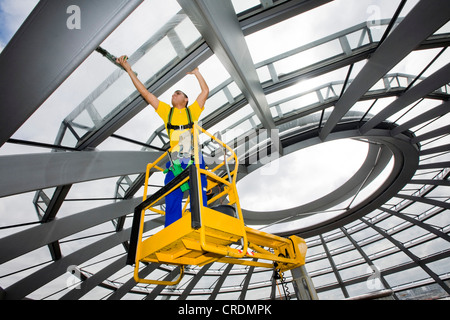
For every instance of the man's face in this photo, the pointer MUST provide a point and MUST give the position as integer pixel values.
(179, 98)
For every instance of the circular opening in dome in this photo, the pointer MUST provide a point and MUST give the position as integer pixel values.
(302, 176)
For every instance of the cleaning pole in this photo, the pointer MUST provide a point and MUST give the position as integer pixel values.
(110, 57)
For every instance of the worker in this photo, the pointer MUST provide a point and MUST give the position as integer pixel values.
(176, 118)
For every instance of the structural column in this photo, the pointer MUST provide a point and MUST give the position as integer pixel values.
(303, 285)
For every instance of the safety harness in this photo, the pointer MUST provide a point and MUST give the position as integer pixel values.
(170, 126)
(175, 164)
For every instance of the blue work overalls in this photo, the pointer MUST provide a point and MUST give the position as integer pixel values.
(175, 198)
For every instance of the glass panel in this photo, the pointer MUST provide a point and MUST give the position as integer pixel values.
(339, 243)
(315, 24)
(335, 294)
(445, 29)
(443, 59)
(430, 247)
(364, 287)
(308, 57)
(414, 110)
(377, 247)
(324, 280)
(305, 93)
(415, 62)
(379, 106)
(318, 265)
(390, 222)
(406, 277)
(346, 257)
(242, 5)
(260, 293)
(356, 271)
(440, 267)
(391, 260)
(187, 33)
(363, 234)
(428, 292)
(433, 125)
(440, 220)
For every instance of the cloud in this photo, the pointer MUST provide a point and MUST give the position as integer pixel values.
(12, 14)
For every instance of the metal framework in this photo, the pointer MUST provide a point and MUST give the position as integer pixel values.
(420, 149)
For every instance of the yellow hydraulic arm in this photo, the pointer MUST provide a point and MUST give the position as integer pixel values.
(207, 234)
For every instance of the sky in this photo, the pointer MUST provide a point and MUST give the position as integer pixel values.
(12, 15)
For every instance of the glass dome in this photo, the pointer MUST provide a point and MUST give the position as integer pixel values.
(338, 111)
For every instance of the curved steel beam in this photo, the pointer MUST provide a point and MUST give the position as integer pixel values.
(363, 176)
(31, 283)
(406, 162)
(20, 243)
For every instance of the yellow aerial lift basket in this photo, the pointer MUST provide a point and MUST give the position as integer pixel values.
(207, 234)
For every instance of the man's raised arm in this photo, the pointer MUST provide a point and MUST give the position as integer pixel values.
(203, 96)
(149, 97)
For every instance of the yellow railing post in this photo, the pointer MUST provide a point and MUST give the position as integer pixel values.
(225, 251)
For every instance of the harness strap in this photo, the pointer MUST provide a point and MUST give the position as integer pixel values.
(170, 126)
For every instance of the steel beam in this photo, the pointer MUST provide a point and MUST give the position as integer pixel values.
(366, 257)
(44, 39)
(436, 112)
(20, 243)
(412, 256)
(424, 19)
(428, 85)
(246, 282)
(219, 26)
(333, 266)
(31, 283)
(263, 18)
(194, 282)
(127, 286)
(220, 282)
(418, 223)
(23, 173)
(95, 280)
(431, 202)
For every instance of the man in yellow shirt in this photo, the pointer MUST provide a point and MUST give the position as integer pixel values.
(177, 119)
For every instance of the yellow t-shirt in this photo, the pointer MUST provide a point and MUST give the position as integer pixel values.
(179, 118)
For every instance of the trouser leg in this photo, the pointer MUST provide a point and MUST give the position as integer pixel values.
(175, 198)
(173, 202)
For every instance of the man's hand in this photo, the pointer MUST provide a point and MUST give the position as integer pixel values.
(194, 72)
(124, 63)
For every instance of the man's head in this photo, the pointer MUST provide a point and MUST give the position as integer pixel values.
(179, 98)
